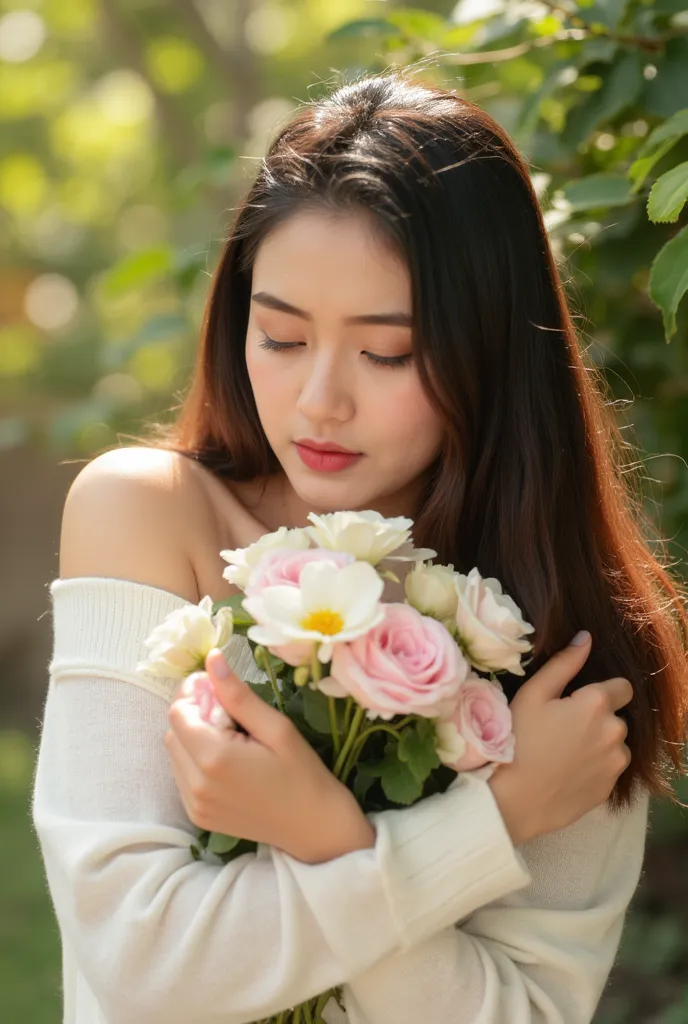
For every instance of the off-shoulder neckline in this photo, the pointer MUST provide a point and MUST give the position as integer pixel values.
(121, 582)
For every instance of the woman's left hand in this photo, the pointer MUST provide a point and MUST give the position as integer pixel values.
(269, 786)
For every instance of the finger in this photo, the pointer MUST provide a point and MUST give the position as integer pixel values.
(186, 774)
(617, 692)
(551, 680)
(266, 724)
(199, 738)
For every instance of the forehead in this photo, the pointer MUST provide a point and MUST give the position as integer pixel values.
(318, 256)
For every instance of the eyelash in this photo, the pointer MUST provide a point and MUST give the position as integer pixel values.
(391, 362)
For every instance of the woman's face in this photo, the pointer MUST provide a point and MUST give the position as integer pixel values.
(327, 288)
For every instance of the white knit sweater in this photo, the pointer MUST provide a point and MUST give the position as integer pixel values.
(443, 921)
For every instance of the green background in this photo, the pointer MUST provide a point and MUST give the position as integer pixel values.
(129, 129)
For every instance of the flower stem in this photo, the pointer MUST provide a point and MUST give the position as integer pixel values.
(357, 747)
(348, 743)
(333, 725)
(347, 713)
(273, 681)
(316, 674)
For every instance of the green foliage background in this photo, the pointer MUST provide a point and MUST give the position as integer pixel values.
(129, 130)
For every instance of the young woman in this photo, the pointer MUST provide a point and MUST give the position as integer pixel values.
(388, 288)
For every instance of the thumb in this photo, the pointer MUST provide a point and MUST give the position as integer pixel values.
(238, 699)
(551, 680)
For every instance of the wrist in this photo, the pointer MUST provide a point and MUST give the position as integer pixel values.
(344, 830)
(517, 818)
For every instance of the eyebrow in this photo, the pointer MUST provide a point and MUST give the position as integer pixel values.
(397, 319)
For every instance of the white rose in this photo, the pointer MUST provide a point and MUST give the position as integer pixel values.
(179, 645)
(490, 625)
(244, 560)
(368, 536)
(431, 590)
(450, 745)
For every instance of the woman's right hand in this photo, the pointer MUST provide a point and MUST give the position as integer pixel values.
(569, 751)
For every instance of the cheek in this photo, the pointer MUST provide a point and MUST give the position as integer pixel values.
(268, 385)
(407, 414)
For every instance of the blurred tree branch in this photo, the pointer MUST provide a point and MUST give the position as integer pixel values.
(177, 128)
(236, 66)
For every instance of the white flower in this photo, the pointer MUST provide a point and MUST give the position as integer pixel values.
(449, 743)
(490, 625)
(331, 605)
(431, 590)
(368, 536)
(244, 560)
(179, 645)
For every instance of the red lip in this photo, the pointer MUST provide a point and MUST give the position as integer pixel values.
(325, 446)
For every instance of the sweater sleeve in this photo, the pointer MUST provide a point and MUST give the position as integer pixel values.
(160, 936)
(539, 955)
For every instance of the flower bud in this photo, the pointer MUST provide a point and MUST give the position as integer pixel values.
(260, 656)
(302, 675)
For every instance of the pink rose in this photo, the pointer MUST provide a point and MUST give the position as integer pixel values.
(483, 718)
(282, 567)
(408, 664)
(202, 693)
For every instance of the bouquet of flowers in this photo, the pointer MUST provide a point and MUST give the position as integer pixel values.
(396, 698)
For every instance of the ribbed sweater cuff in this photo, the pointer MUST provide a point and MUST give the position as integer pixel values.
(474, 862)
(99, 625)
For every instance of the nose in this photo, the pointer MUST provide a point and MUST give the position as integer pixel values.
(325, 394)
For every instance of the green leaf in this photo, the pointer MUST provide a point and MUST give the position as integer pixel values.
(669, 279)
(316, 710)
(618, 91)
(598, 190)
(265, 660)
(658, 142)
(220, 844)
(138, 269)
(294, 707)
(361, 27)
(665, 94)
(363, 780)
(529, 112)
(240, 617)
(398, 781)
(607, 13)
(596, 48)
(668, 195)
(158, 328)
(214, 166)
(417, 24)
(235, 602)
(417, 749)
(188, 265)
(264, 691)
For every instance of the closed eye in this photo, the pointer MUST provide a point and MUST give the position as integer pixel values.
(389, 361)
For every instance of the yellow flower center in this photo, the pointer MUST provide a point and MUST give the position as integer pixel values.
(324, 621)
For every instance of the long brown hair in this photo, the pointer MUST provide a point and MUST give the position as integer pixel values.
(534, 483)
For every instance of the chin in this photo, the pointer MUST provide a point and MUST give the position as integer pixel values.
(330, 494)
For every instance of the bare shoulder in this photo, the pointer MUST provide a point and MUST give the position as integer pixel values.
(127, 516)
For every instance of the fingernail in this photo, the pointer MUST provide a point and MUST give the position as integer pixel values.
(580, 638)
(219, 664)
